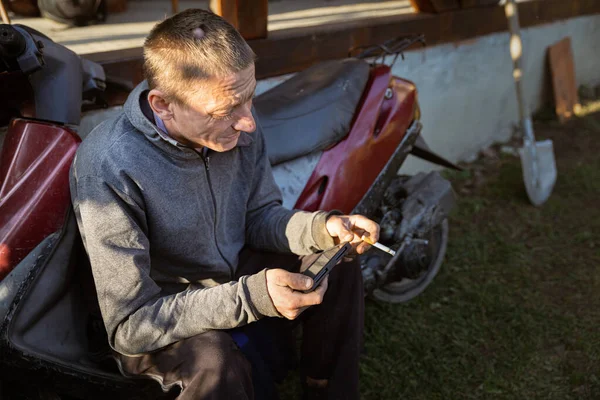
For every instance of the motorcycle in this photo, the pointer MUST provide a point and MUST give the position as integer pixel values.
(337, 134)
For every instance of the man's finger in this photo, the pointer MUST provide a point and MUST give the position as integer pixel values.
(322, 288)
(297, 300)
(293, 280)
(357, 238)
(362, 222)
(345, 232)
(315, 297)
(312, 298)
(363, 247)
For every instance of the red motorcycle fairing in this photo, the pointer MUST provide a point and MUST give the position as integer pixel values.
(348, 169)
(34, 172)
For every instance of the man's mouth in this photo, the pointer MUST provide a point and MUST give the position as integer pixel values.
(232, 136)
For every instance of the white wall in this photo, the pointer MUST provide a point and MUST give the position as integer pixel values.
(467, 93)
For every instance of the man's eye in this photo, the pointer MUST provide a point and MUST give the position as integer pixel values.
(222, 117)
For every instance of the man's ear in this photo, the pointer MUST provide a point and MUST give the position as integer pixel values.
(160, 105)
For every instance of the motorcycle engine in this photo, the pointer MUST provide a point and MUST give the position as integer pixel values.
(409, 212)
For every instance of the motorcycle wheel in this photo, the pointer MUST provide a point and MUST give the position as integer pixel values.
(407, 289)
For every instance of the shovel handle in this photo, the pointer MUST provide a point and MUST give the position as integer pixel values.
(516, 53)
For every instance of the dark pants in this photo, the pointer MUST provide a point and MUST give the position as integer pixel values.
(212, 366)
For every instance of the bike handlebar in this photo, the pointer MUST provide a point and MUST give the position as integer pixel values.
(12, 42)
(393, 46)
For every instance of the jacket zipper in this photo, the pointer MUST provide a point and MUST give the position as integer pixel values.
(214, 200)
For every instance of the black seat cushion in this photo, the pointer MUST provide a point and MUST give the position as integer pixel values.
(311, 110)
(58, 324)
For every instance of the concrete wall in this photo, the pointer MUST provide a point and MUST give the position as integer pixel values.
(466, 89)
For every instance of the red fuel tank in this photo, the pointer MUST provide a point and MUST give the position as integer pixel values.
(34, 186)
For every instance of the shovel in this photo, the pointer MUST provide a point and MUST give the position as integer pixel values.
(537, 158)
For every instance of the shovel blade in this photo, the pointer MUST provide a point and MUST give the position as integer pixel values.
(539, 170)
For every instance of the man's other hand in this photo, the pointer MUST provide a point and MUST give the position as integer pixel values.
(351, 228)
(284, 288)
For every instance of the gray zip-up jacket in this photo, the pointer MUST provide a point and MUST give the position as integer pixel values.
(163, 226)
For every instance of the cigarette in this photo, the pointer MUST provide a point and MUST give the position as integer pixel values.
(379, 246)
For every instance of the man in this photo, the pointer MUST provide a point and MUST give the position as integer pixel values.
(170, 198)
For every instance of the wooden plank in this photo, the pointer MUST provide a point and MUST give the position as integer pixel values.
(445, 5)
(249, 17)
(252, 18)
(115, 6)
(282, 54)
(296, 49)
(478, 3)
(562, 67)
(227, 9)
(423, 6)
(434, 6)
(285, 52)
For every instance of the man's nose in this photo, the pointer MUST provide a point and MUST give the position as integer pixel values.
(245, 121)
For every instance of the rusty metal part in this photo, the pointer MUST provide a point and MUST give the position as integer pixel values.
(429, 202)
(388, 225)
(417, 217)
(400, 290)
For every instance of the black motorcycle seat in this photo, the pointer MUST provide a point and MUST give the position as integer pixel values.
(57, 329)
(311, 110)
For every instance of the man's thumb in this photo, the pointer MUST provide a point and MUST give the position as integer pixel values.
(298, 281)
(347, 236)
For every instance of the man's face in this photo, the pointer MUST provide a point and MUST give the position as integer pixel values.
(216, 114)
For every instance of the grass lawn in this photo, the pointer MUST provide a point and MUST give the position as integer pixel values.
(515, 311)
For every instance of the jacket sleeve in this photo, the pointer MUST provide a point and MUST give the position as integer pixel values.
(137, 318)
(269, 225)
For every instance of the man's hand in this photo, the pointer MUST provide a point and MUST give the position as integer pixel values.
(283, 288)
(351, 228)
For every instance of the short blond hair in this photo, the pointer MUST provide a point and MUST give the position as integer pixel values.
(190, 46)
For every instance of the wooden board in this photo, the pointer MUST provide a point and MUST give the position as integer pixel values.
(564, 83)
(249, 16)
(423, 6)
(445, 5)
(434, 6)
(116, 6)
(252, 18)
(478, 3)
